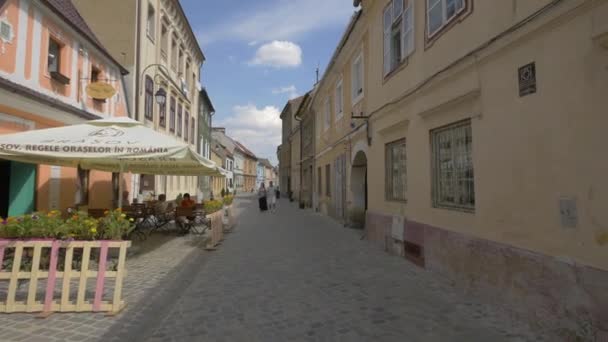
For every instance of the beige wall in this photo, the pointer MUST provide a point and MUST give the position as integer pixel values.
(527, 151)
(295, 163)
(120, 36)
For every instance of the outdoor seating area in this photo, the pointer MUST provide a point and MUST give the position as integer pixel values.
(48, 245)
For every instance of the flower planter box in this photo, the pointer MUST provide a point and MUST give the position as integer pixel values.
(217, 234)
(229, 220)
(59, 273)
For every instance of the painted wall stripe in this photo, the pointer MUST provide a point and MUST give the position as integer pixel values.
(37, 41)
(74, 87)
(22, 33)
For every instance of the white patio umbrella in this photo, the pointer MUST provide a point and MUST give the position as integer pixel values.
(112, 145)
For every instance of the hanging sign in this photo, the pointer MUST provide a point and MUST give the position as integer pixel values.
(100, 90)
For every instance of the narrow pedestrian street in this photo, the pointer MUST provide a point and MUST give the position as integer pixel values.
(298, 276)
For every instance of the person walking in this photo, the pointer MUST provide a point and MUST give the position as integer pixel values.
(262, 198)
(272, 197)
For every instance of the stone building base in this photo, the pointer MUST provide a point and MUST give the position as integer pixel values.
(559, 297)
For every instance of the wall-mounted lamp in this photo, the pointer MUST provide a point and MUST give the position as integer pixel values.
(367, 127)
(161, 96)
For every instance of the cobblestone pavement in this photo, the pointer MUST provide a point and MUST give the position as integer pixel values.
(289, 276)
(297, 276)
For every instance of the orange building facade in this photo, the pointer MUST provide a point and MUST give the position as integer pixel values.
(48, 56)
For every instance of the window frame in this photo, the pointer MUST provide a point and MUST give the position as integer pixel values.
(320, 180)
(192, 130)
(445, 21)
(151, 24)
(149, 98)
(186, 125)
(328, 180)
(164, 40)
(172, 114)
(339, 99)
(404, 23)
(389, 167)
(326, 114)
(356, 95)
(162, 114)
(57, 56)
(437, 170)
(179, 123)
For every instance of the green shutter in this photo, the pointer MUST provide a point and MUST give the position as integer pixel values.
(22, 189)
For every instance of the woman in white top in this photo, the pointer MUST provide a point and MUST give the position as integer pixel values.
(271, 196)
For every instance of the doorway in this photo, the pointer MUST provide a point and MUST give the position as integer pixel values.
(358, 184)
(17, 191)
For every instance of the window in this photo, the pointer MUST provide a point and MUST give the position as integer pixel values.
(186, 125)
(187, 74)
(151, 23)
(396, 171)
(54, 61)
(327, 180)
(453, 180)
(149, 99)
(357, 79)
(327, 121)
(320, 180)
(192, 130)
(164, 42)
(441, 12)
(95, 74)
(162, 114)
(180, 60)
(339, 100)
(6, 31)
(398, 21)
(174, 53)
(172, 115)
(179, 119)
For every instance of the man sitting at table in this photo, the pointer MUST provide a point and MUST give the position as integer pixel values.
(187, 202)
(162, 206)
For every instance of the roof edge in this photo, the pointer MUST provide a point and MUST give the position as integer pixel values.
(97, 45)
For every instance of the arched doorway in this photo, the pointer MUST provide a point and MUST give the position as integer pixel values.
(358, 185)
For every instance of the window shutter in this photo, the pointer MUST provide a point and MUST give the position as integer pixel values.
(388, 20)
(408, 43)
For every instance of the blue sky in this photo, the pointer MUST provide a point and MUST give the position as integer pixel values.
(259, 55)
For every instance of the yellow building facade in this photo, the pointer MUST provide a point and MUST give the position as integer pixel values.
(470, 144)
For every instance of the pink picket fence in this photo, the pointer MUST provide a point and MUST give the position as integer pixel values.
(57, 272)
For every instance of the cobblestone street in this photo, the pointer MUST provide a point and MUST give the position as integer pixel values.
(289, 276)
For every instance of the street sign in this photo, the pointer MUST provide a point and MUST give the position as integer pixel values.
(100, 90)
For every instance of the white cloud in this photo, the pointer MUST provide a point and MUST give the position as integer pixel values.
(280, 20)
(291, 90)
(253, 43)
(278, 54)
(259, 129)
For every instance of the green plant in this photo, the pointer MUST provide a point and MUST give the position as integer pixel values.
(79, 226)
(115, 225)
(37, 225)
(82, 227)
(213, 206)
(228, 200)
(223, 192)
